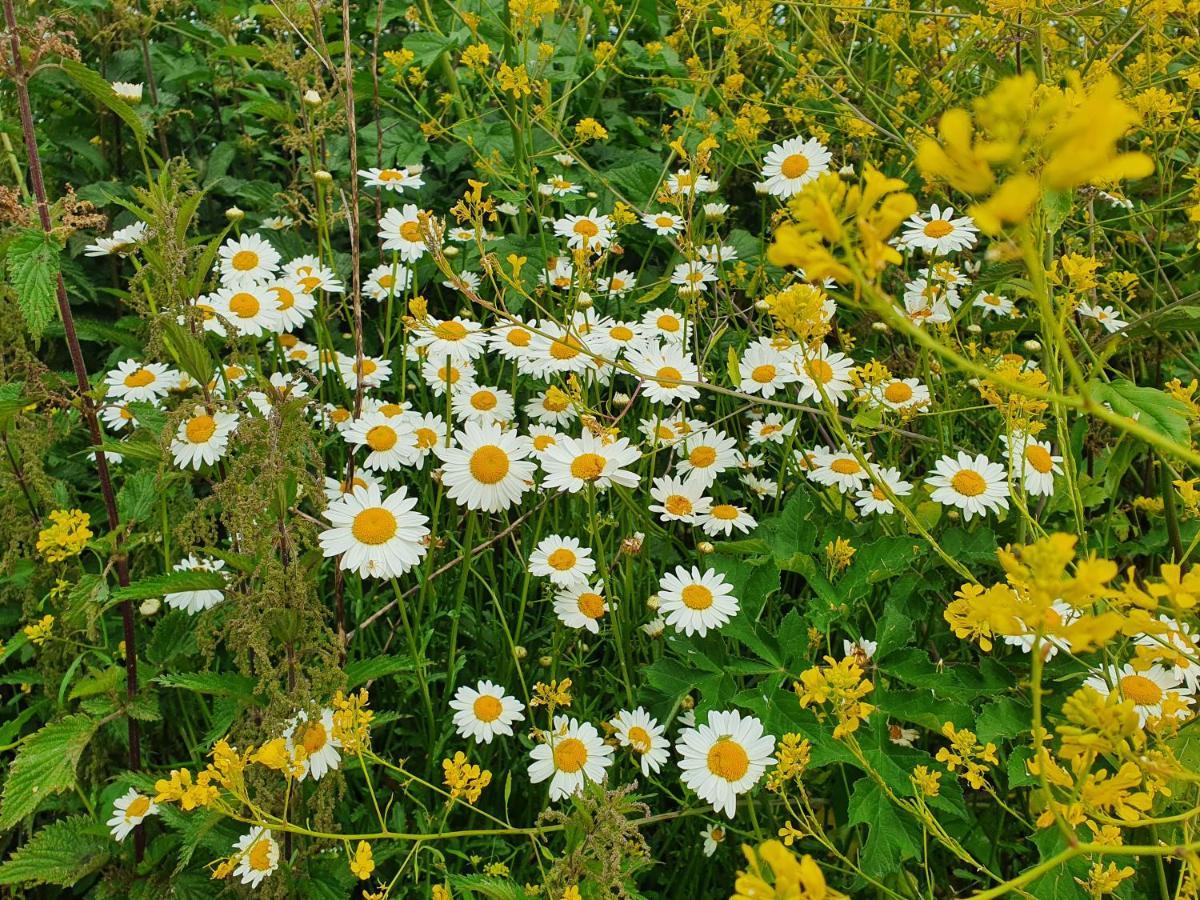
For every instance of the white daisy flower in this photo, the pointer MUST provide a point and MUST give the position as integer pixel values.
(313, 275)
(246, 260)
(481, 403)
(129, 91)
(123, 241)
(1146, 690)
(486, 468)
(135, 382)
(618, 283)
(1032, 461)
(664, 372)
(924, 305)
(789, 166)
(574, 463)
(900, 393)
(250, 308)
(685, 181)
(320, 746)
(764, 370)
(939, 232)
(823, 371)
(542, 439)
(1107, 316)
(336, 488)
(665, 325)
(642, 734)
(563, 560)
(976, 485)
(714, 836)
(398, 180)
(459, 340)
(724, 758)
(679, 499)
(400, 230)
(994, 304)
(375, 536)
(372, 371)
(387, 280)
(695, 602)
(202, 438)
(705, 455)
(551, 407)
(724, 519)
(390, 439)
(258, 856)
(588, 232)
(559, 186)
(443, 374)
(771, 429)
(573, 753)
(663, 223)
(581, 605)
(117, 416)
(873, 499)
(128, 812)
(693, 276)
(484, 711)
(1060, 614)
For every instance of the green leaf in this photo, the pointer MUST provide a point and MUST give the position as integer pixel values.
(229, 684)
(44, 766)
(158, 585)
(893, 838)
(33, 270)
(188, 351)
(95, 85)
(1149, 406)
(361, 671)
(61, 854)
(136, 499)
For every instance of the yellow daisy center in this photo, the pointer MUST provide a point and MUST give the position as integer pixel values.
(450, 331)
(845, 466)
(564, 348)
(1038, 457)
(374, 526)
(763, 374)
(137, 807)
(1141, 690)
(696, 596)
(586, 228)
(381, 438)
(244, 260)
(259, 856)
(483, 401)
(591, 605)
(724, 511)
(244, 305)
(426, 438)
(489, 464)
(561, 559)
(200, 428)
(678, 505)
(727, 759)
(621, 333)
(969, 483)
(570, 755)
(669, 377)
(518, 337)
(938, 228)
(664, 222)
(639, 739)
(314, 737)
(487, 708)
(819, 370)
(794, 166)
(897, 392)
(542, 441)
(588, 466)
(141, 378)
(702, 457)
(411, 231)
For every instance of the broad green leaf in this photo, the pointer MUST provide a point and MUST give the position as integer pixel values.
(158, 585)
(44, 766)
(1149, 406)
(101, 90)
(218, 683)
(32, 264)
(892, 838)
(61, 854)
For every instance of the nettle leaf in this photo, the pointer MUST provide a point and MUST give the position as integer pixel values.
(61, 854)
(893, 837)
(32, 264)
(1149, 406)
(158, 585)
(44, 766)
(99, 89)
(360, 671)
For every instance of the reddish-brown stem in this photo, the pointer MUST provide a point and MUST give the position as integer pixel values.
(87, 407)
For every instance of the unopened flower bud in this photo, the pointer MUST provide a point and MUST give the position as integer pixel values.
(974, 328)
(312, 98)
(584, 300)
(705, 547)
(323, 177)
(762, 305)
(233, 214)
(881, 327)
(520, 652)
(546, 661)
(150, 606)
(451, 250)
(687, 702)
(1033, 346)
(652, 602)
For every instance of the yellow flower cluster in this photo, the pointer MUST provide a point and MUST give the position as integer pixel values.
(352, 720)
(837, 228)
(1027, 138)
(66, 537)
(968, 754)
(840, 685)
(39, 631)
(465, 780)
(775, 873)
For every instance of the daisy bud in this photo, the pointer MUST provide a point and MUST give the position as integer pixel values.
(761, 188)
(312, 98)
(150, 606)
(762, 305)
(520, 652)
(620, 399)
(700, 408)
(687, 702)
(1033, 346)
(632, 545)
(846, 171)
(973, 382)
(591, 195)
(584, 300)
(323, 177)
(974, 328)
(233, 214)
(546, 661)
(705, 547)
(416, 168)
(451, 250)
(881, 327)
(652, 602)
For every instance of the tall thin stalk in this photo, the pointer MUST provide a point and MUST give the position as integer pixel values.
(87, 407)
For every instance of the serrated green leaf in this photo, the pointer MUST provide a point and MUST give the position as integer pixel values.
(361, 671)
(892, 838)
(228, 684)
(95, 85)
(1149, 406)
(158, 585)
(60, 854)
(32, 264)
(44, 766)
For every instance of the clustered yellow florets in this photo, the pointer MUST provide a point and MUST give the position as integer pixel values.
(66, 537)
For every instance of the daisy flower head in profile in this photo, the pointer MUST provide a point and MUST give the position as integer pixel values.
(665, 373)
(714, 837)
(573, 464)
(791, 165)
(724, 758)
(401, 231)
(295, 305)
(459, 340)
(118, 416)
(257, 854)
(923, 306)
(679, 499)
(723, 519)
(994, 304)
(393, 179)
(823, 372)
(976, 485)
(313, 275)
(247, 259)
(486, 467)
(695, 602)
(387, 280)
(129, 91)
(375, 536)
(618, 283)
(581, 605)
(559, 186)
(573, 753)
(663, 223)
(1032, 461)
(196, 601)
(128, 812)
(123, 241)
(563, 560)
(135, 382)
(687, 182)
(485, 711)
(1153, 692)
(315, 735)
(203, 437)
(390, 440)
(693, 276)
(874, 499)
(938, 232)
(1108, 317)
(641, 733)
(372, 371)
(336, 488)
(278, 223)
(591, 231)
